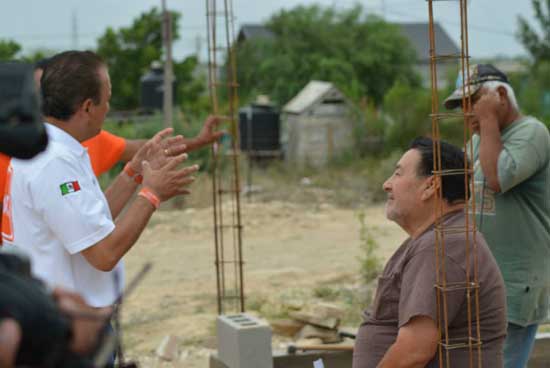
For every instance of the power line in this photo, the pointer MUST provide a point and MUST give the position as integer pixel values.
(391, 8)
(453, 23)
(65, 35)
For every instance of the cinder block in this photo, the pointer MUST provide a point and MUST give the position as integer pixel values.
(244, 341)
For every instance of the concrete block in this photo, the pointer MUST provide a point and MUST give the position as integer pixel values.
(286, 327)
(244, 341)
(313, 319)
(328, 310)
(309, 341)
(326, 335)
(168, 348)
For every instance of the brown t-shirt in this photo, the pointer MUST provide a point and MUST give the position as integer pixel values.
(406, 289)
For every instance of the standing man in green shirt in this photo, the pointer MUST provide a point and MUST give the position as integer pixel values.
(511, 158)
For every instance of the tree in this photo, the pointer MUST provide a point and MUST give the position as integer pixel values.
(129, 52)
(533, 88)
(361, 54)
(38, 55)
(537, 46)
(408, 109)
(191, 93)
(8, 50)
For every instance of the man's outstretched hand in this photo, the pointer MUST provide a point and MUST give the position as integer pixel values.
(207, 135)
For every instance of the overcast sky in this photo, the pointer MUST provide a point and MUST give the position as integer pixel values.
(49, 24)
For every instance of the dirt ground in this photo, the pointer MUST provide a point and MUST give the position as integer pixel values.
(288, 248)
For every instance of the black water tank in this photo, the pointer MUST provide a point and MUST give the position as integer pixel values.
(259, 128)
(152, 91)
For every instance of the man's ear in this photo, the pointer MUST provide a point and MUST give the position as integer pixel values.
(431, 187)
(503, 94)
(87, 105)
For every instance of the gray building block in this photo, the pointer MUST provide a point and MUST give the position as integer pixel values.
(244, 341)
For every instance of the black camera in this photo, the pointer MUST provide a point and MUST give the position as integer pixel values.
(22, 133)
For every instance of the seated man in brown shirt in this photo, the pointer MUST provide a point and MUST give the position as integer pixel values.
(401, 330)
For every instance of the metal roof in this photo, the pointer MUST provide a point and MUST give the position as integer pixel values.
(311, 94)
(416, 33)
(418, 36)
(250, 31)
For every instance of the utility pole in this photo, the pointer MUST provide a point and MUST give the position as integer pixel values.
(198, 45)
(168, 73)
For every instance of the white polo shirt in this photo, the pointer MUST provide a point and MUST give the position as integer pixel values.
(57, 211)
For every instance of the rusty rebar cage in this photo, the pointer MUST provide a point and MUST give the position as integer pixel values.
(225, 158)
(472, 341)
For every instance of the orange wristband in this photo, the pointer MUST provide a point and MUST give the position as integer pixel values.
(138, 178)
(150, 196)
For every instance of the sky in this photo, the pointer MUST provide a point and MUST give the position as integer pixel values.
(53, 24)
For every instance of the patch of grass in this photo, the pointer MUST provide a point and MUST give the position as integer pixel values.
(326, 293)
(255, 302)
(193, 341)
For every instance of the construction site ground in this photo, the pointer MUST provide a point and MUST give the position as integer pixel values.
(302, 252)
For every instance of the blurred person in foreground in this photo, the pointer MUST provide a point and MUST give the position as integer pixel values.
(511, 161)
(43, 328)
(401, 329)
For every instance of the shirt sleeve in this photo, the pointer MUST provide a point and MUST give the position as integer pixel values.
(71, 204)
(521, 157)
(105, 150)
(4, 163)
(418, 292)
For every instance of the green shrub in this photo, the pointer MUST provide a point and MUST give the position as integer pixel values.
(370, 263)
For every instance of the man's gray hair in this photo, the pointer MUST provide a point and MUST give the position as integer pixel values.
(493, 86)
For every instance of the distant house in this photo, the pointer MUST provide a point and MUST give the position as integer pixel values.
(416, 33)
(317, 125)
(253, 31)
(419, 38)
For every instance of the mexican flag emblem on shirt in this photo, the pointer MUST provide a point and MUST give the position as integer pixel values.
(69, 187)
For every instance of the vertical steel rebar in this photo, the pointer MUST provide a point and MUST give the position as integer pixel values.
(230, 290)
(446, 343)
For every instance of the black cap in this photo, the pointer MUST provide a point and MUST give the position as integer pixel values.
(479, 74)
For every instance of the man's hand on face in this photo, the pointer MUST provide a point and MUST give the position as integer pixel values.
(86, 322)
(169, 181)
(158, 150)
(486, 110)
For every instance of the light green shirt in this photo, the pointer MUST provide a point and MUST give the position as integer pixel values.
(516, 221)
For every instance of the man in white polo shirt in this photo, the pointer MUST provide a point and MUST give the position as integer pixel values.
(54, 208)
